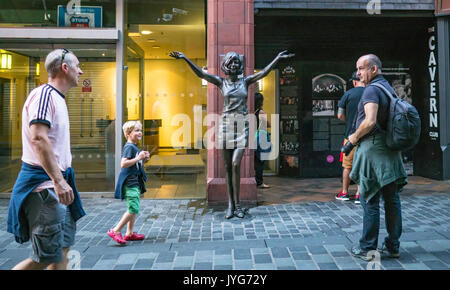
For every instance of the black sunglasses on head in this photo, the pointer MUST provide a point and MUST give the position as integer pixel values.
(65, 51)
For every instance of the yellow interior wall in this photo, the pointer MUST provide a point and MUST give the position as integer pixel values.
(172, 88)
(133, 90)
(269, 92)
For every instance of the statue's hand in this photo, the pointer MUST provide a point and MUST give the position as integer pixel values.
(284, 54)
(176, 54)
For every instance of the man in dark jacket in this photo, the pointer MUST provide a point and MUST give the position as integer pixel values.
(377, 169)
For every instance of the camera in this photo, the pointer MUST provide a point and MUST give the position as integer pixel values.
(347, 148)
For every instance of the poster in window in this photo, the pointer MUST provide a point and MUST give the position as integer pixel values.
(289, 162)
(83, 16)
(401, 81)
(289, 144)
(289, 127)
(328, 86)
(324, 108)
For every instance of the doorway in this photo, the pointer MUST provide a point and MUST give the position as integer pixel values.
(172, 103)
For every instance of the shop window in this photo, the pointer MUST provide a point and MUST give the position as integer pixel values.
(91, 108)
(58, 13)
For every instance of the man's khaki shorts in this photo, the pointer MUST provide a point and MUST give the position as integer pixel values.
(347, 161)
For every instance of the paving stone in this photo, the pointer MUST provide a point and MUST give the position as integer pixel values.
(89, 261)
(436, 265)
(127, 259)
(280, 252)
(327, 266)
(242, 254)
(415, 266)
(269, 266)
(262, 258)
(104, 264)
(203, 266)
(144, 264)
(306, 265)
(322, 258)
(165, 257)
(243, 264)
(444, 256)
(222, 267)
(280, 262)
(317, 250)
(123, 267)
(391, 264)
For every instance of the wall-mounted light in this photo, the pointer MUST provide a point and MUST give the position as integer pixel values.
(38, 67)
(134, 34)
(5, 61)
(204, 82)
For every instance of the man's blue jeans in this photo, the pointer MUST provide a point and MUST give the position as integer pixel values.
(371, 219)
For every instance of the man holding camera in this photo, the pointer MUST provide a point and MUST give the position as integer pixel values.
(347, 112)
(377, 169)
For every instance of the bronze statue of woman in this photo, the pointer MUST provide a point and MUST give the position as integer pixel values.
(234, 90)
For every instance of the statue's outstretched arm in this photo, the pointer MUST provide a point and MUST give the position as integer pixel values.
(259, 75)
(216, 80)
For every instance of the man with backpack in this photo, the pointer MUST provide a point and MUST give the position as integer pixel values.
(377, 168)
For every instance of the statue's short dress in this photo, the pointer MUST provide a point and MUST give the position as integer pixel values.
(234, 129)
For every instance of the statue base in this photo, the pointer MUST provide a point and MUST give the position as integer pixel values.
(216, 189)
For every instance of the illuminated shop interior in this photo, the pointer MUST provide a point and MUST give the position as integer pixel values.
(161, 92)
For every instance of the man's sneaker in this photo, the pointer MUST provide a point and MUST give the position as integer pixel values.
(263, 185)
(357, 201)
(342, 196)
(134, 237)
(364, 255)
(384, 251)
(117, 237)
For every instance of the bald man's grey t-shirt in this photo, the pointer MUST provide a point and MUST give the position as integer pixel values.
(373, 94)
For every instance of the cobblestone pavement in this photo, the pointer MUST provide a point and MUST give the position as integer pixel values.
(188, 234)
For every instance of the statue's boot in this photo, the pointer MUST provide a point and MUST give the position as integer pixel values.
(230, 212)
(239, 212)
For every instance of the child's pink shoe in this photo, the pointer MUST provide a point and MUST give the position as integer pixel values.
(134, 237)
(117, 237)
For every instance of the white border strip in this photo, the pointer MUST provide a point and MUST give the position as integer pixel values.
(60, 33)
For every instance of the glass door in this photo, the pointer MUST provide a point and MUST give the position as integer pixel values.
(173, 106)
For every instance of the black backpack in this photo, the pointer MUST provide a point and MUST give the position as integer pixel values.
(403, 124)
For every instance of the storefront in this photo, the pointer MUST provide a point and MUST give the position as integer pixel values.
(123, 46)
(327, 40)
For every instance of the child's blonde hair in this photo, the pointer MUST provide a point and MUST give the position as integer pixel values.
(129, 126)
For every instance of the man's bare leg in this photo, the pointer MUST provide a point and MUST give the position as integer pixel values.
(60, 265)
(29, 264)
